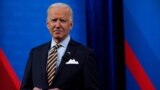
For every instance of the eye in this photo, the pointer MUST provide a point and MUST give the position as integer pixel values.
(53, 20)
(62, 20)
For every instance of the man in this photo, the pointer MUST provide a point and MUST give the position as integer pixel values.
(62, 63)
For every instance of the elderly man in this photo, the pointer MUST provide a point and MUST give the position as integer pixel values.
(62, 63)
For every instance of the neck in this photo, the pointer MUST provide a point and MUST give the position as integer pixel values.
(57, 40)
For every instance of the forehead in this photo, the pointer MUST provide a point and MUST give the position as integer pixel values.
(59, 11)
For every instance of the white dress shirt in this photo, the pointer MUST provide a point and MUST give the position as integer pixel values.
(62, 49)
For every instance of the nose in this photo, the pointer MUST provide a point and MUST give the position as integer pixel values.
(58, 24)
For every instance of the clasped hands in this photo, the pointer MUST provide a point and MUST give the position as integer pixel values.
(36, 88)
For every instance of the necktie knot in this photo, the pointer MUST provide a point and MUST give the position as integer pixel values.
(57, 46)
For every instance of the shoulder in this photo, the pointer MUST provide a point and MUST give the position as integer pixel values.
(82, 48)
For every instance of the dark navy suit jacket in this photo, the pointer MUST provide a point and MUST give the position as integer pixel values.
(82, 76)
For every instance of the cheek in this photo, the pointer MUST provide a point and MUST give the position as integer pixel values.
(50, 25)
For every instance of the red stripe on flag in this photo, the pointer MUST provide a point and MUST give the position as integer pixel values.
(8, 78)
(137, 70)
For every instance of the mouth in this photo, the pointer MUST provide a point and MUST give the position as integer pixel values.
(57, 31)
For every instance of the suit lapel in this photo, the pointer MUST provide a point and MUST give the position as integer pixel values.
(43, 59)
(69, 53)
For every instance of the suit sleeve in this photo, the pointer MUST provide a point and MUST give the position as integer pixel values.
(91, 77)
(27, 83)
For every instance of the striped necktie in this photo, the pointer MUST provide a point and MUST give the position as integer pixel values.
(51, 64)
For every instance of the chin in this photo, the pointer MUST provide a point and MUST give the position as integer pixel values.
(58, 38)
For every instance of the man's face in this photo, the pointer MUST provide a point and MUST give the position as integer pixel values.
(59, 22)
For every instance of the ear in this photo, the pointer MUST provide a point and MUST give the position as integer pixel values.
(71, 25)
(47, 24)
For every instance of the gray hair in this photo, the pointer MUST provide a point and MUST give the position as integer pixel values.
(62, 4)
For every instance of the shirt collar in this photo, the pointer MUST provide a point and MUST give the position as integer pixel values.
(64, 43)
